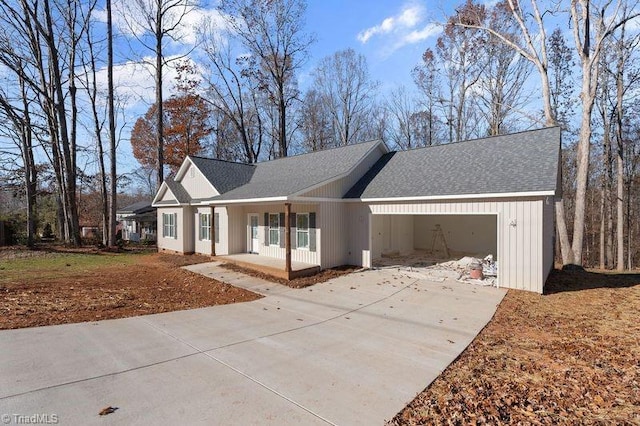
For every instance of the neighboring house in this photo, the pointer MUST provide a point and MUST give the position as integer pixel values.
(138, 222)
(89, 231)
(349, 205)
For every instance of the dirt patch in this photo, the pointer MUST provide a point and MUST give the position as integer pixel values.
(569, 357)
(150, 283)
(322, 276)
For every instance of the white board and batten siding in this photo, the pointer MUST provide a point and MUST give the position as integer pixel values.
(196, 185)
(183, 241)
(522, 223)
(204, 246)
(333, 223)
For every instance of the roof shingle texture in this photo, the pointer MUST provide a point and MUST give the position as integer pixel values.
(224, 175)
(177, 190)
(290, 175)
(520, 162)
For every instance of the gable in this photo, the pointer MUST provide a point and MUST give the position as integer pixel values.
(164, 196)
(338, 188)
(194, 182)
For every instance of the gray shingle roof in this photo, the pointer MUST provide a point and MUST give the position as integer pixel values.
(176, 189)
(520, 162)
(224, 175)
(287, 176)
(136, 207)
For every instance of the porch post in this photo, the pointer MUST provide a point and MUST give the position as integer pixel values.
(212, 231)
(287, 237)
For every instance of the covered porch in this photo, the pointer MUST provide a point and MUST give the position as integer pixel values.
(270, 265)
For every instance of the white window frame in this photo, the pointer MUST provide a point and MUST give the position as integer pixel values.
(169, 227)
(204, 219)
(274, 241)
(302, 231)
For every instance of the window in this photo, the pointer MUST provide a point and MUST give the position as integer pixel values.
(274, 229)
(216, 226)
(205, 227)
(169, 225)
(302, 230)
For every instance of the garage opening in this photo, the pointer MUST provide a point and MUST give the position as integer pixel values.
(457, 242)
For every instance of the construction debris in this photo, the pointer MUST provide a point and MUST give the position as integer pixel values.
(467, 269)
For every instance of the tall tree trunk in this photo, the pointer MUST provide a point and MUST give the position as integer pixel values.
(159, 110)
(112, 129)
(67, 156)
(602, 259)
(30, 177)
(620, 152)
(608, 213)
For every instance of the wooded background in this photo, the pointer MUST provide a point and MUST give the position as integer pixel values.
(495, 69)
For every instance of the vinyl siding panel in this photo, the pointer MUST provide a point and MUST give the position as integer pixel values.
(237, 229)
(359, 242)
(184, 241)
(196, 185)
(523, 235)
(204, 246)
(333, 221)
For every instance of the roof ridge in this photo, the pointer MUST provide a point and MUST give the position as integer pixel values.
(321, 150)
(479, 139)
(221, 161)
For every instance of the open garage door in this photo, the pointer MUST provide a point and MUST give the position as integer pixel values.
(421, 240)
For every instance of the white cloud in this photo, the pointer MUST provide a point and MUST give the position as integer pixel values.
(418, 35)
(410, 15)
(128, 18)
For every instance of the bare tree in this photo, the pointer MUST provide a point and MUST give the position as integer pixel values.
(401, 107)
(154, 23)
(590, 31)
(18, 118)
(315, 122)
(233, 91)
(425, 76)
(343, 84)
(273, 33)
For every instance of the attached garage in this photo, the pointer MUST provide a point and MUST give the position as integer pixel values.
(488, 196)
(468, 234)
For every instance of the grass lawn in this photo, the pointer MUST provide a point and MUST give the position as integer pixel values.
(51, 265)
(571, 356)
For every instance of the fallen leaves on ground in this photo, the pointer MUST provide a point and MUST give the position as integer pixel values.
(571, 356)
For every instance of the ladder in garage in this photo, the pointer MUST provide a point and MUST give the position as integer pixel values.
(439, 241)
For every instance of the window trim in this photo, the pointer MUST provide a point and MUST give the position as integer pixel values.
(300, 231)
(276, 229)
(204, 227)
(169, 225)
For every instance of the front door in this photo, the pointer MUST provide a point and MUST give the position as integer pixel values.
(253, 233)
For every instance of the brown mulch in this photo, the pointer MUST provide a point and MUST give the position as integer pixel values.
(322, 276)
(571, 356)
(154, 283)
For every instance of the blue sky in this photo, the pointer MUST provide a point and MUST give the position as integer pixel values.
(392, 35)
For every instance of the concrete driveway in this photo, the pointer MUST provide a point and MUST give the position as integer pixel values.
(354, 350)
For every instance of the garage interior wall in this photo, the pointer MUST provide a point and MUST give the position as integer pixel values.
(469, 234)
